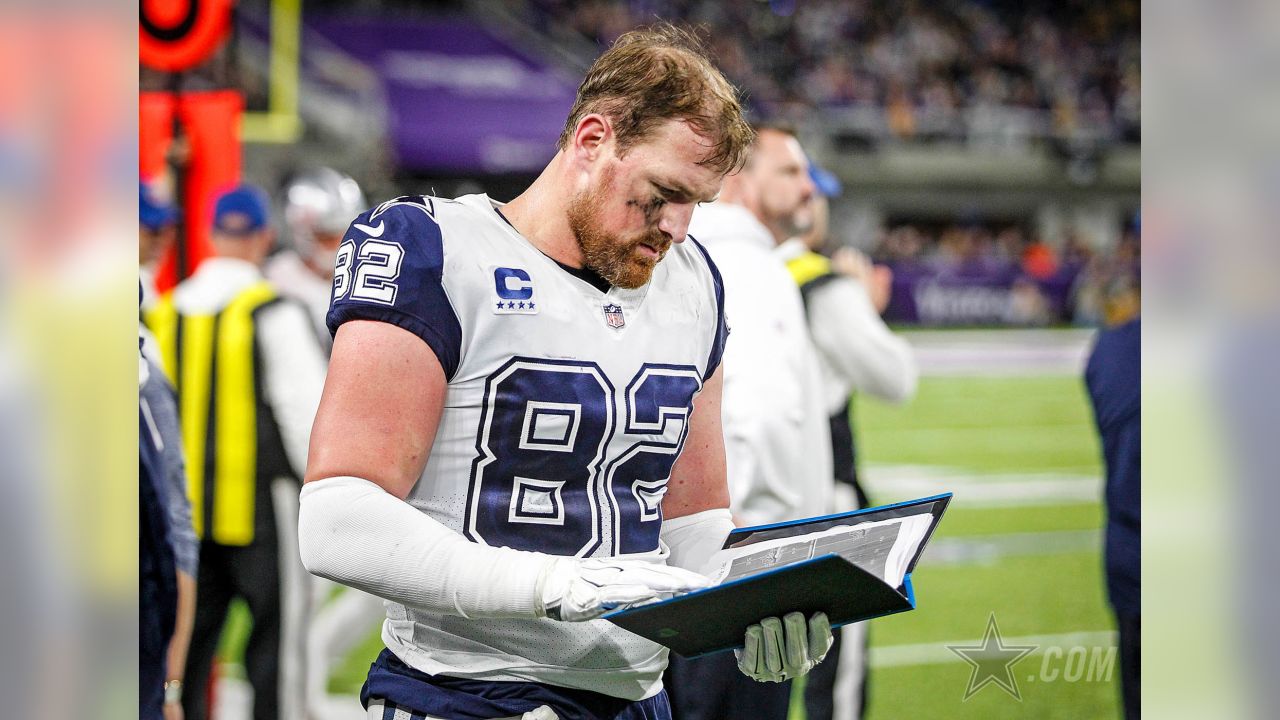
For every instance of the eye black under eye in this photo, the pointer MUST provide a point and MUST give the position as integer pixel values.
(654, 203)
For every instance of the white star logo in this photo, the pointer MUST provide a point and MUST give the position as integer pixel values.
(992, 661)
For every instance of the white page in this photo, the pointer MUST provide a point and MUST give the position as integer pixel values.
(883, 548)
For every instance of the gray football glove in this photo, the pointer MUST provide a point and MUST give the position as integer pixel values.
(778, 650)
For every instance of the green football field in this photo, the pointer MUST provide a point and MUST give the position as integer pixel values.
(1023, 536)
(1021, 541)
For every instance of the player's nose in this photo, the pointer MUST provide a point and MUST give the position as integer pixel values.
(807, 188)
(675, 222)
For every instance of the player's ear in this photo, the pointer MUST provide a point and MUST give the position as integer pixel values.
(590, 136)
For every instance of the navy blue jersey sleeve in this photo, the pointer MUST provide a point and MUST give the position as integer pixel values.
(722, 327)
(390, 268)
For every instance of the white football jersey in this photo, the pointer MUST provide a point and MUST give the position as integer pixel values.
(566, 408)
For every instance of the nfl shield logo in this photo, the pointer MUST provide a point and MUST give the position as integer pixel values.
(613, 316)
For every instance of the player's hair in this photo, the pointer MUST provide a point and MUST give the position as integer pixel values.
(660, 73)
(778, 126)
(762, 126)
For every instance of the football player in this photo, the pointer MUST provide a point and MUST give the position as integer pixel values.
(317, 205)
(521, 426)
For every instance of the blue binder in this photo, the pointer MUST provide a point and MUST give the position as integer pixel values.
(716, 618)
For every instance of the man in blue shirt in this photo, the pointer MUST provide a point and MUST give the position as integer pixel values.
(1114, 380)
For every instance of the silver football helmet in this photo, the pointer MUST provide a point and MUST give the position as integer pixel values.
(319, 204)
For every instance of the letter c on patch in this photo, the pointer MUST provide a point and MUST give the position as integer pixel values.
(512, 283)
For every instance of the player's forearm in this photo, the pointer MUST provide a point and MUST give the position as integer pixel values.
(885, 369)
(181, 640)
(353, 532)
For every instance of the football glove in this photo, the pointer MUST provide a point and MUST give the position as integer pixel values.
(777, 650)
(575, 589)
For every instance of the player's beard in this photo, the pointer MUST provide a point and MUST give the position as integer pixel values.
(797, 222)
(615, 259)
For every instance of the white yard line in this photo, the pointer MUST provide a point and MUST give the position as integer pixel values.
(1000, 353)
(987, 549)
(934, 653)
(889, 483)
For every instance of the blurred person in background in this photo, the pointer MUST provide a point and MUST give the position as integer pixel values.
(318, 204)
(1113, 377)
(157, 581)
(774, 411)
(249, 373)
(1027, 305)
(157, 228)
(1106, 283)
(857, 353)
(160, 411)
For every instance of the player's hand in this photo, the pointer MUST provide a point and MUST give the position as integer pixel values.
(172, 711)
(778, 650)
(851, 263)
(877, 280)
(575, 589)
(880, 287)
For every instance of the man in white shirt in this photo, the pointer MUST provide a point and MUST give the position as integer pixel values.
(775, 420)
(775, 433)
(249, 374)
(843, 299)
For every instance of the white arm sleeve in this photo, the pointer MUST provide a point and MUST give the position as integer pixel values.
(353, 532)
(857, 344)
(693, 539)
(294, 375)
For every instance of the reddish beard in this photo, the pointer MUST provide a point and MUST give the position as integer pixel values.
(617, 260)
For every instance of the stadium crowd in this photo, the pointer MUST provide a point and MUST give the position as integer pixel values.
(1075, 269)
(951, 69)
